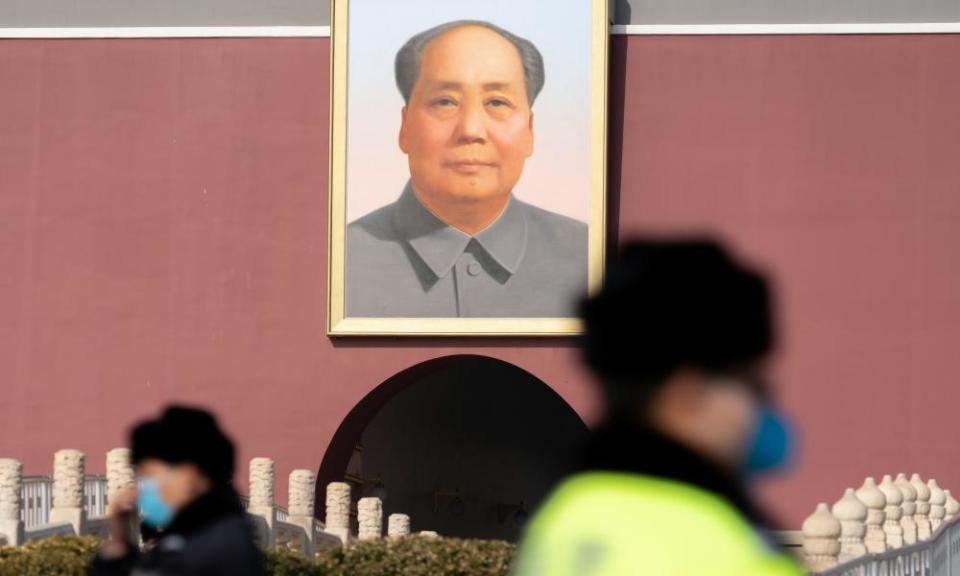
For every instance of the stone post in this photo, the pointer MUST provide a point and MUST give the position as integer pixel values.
(937, 499)
(951, 507)
(338, 510)
(821, 544)
(398, 526)
(370, 519)
(11, 483)
(892, 513)
(120, 474)
(261, 499)
(875, 540)
(300, 504)
(429, 534)
(922, 516)
(909, 508)
(68, 473)
(852, 513)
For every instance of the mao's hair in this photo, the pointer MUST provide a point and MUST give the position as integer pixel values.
(407, 64)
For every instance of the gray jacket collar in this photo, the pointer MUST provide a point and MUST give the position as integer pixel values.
(439, 245)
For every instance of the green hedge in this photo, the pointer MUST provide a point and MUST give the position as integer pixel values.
(59, 556)
(413, 556)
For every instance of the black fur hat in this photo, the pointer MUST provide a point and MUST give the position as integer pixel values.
(676, 303)
(183, 434)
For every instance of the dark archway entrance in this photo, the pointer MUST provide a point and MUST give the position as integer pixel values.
(459, 443)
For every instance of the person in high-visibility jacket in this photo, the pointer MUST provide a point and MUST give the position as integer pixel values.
(679, 337)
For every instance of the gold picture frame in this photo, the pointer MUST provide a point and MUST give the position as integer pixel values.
(338, 324)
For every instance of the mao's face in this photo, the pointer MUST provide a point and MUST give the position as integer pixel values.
(467, 128)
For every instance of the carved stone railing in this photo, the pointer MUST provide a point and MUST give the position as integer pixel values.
(72, 502)
(930, 557)
(899, 527)
(35, 507)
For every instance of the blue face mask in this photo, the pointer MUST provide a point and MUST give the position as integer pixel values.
(772, 443)
(155, 511)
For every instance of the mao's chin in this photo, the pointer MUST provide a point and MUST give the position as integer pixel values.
(468, 188)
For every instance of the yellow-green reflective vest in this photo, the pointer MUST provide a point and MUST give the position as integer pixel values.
(613, 524)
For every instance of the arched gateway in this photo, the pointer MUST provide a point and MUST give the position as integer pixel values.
(467, 445)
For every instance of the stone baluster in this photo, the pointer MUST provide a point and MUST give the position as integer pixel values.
(369, 518)
(301, 496)
(852, 514)
(68, 473)
(951, 507)
(892, 512)
(821, 544)
(261, 502)
(909, 508)
(922, 515)
(875, 540)
(120, 474)
(261, 483)
(937, 499)
(11, 483)
(398, 525)
(338, 510)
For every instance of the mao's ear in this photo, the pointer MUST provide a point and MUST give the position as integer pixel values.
(403, 130)
(532, 140)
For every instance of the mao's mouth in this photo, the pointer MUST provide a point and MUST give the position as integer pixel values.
(468, 166)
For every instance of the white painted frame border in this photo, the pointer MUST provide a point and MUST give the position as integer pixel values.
(617, 29)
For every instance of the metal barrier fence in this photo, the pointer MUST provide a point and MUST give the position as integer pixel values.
(36, 498)
(95, 495)
(938, 556)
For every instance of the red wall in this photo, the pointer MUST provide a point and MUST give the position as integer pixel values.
(163, 236)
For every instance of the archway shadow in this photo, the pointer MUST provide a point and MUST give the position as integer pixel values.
(473, 396)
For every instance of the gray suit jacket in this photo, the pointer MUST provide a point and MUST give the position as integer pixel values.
(402, 261)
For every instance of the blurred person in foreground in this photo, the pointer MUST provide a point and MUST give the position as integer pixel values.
(184, 465)
(679, 337)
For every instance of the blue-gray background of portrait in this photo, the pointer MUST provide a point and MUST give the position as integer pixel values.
(556, 177)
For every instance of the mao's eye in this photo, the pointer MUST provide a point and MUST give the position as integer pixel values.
(498, 103)
(443, 101)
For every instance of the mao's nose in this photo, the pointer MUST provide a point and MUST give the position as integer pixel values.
(472, 126)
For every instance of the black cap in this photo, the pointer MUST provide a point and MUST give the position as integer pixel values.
(183, 434)
(668, 304)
